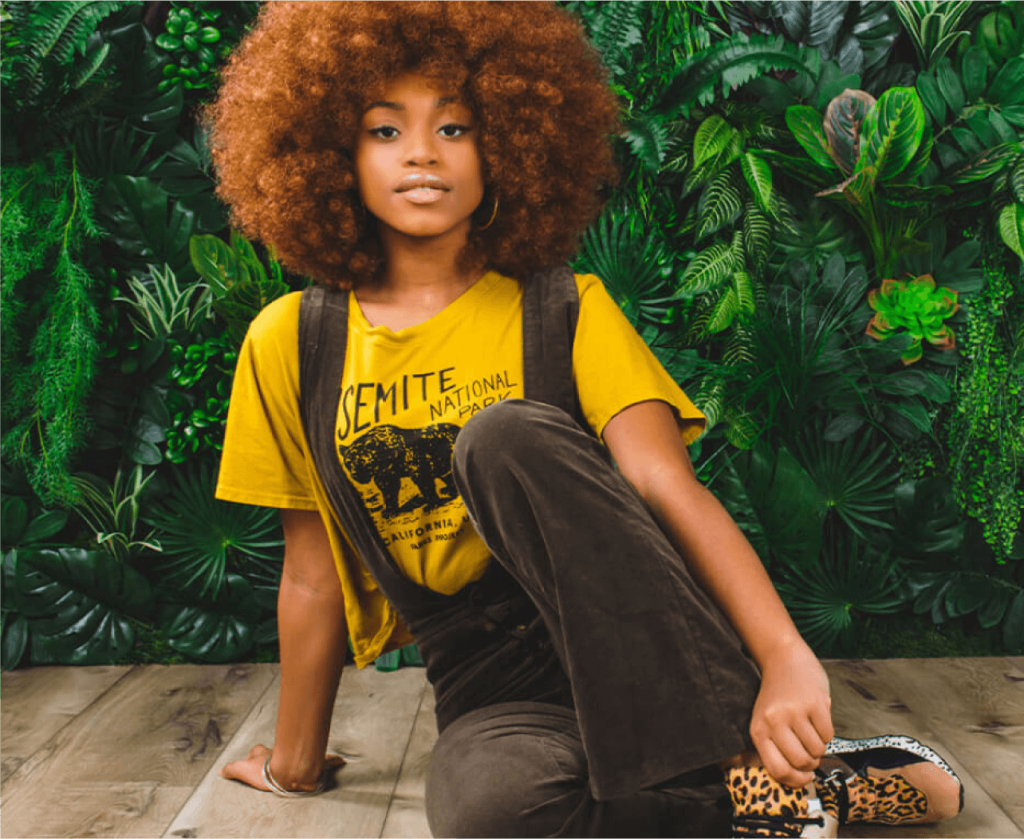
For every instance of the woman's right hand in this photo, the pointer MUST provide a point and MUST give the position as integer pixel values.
(250, 770)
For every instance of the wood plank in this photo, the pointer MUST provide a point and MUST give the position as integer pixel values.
(129, 761)
(407, 816)
(984, 727)
(881, 697)
(39, 701)
(372, 725)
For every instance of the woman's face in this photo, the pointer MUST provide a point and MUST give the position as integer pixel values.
(417, 161)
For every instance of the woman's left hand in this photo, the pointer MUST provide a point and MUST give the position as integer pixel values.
(792, 719)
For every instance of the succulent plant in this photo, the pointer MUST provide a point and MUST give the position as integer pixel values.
(189, 38)
(915, 306)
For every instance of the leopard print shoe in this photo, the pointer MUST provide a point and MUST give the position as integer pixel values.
(764, 807)
(888, 780)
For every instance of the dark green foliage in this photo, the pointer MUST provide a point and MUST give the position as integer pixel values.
(54, 67)
(214, 629)
(851, 580)
(78, 604)
(203, 538)
(49, 319)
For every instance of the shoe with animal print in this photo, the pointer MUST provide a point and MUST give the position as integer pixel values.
(762, 806)
(888, 780)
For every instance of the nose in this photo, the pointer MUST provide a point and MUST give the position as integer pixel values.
(421, 148)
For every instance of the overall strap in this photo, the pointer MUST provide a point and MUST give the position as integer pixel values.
(551, 306)
(323, 339)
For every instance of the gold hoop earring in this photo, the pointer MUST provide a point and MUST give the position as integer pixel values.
(494, 215)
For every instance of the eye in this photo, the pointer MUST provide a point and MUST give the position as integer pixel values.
(385, 132)
(452, 130)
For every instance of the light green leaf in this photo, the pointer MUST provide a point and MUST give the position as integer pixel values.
(707, 270)
(759, 178)
(892, 132)
(719, 205)
(724, 312)
(1011, 227)
(712, 137)
(805, 123)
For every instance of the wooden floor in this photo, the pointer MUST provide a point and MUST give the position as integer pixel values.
(134, 751)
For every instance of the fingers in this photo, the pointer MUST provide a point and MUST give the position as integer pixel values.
(780, 768)
(333, 761)
(821, 719)
(791, 743)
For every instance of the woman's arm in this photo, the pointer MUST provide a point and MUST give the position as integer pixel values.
(312, 632)
(791, 722)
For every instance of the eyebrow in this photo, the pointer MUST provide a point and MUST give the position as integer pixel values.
(396, 106)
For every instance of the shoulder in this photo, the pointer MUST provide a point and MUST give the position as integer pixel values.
(278, 322)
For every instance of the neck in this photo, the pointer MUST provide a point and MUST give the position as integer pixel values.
(423, 267)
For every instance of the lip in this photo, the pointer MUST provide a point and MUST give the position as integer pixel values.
(422, 182)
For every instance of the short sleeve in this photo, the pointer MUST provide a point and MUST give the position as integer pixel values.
(614, 368)
(264, 457)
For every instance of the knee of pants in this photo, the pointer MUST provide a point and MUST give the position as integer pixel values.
(509, 786)
(509, 430)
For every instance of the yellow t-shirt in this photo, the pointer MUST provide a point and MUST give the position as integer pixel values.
(404, 397)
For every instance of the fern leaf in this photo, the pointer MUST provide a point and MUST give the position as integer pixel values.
(719, 205)
(616, 29)
(708, 269)
(80, 25)
(733, 62)
(88, 70)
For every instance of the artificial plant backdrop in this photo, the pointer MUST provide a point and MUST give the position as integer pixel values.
(819, 230)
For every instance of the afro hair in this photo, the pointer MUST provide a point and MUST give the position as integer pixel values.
(284, 125)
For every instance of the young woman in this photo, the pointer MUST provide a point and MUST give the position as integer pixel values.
(607, 652)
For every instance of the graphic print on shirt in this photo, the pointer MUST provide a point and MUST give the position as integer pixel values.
(386, 454)
(404, 474)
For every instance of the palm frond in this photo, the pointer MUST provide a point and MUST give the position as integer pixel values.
(203, 537)
(826, 599)
(633, 266)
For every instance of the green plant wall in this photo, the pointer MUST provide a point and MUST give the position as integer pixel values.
(818, 231)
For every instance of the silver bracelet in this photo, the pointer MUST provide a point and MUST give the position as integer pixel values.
(277, 789)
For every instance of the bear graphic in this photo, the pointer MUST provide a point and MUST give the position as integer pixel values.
(386, 454)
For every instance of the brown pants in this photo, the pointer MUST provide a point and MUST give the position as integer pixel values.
(660, 685)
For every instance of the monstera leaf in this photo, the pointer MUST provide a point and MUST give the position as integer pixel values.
(214, 629)
(79, 604)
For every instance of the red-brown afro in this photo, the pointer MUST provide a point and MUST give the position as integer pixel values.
(285, 122)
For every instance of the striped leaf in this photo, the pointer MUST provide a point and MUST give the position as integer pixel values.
(712, 137)
(744, 288)
(805, 123)
(719, 205)
(759, 178)
(724, 312)
(757, 232)
(892, 132)
(708, 269)
(843, 120)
